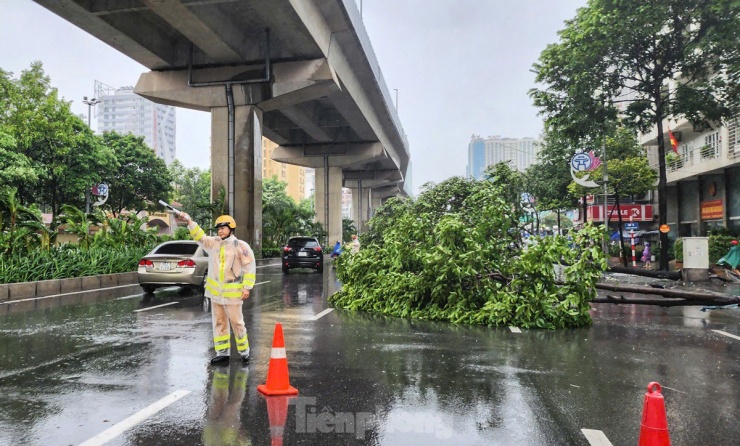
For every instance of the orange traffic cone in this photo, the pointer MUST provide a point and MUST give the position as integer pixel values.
(277, 413)
(278, 382)
(654, 427)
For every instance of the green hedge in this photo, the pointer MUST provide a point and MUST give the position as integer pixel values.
(68, 261)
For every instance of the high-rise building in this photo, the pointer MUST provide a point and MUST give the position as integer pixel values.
(125, 112)
(295, 176)
(476, 157)
(346, 202)
(310, 181)
(521, 153)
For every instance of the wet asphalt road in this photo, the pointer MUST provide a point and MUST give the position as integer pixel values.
(76, 373)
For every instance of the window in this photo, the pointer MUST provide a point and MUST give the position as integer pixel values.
(303, 243)
(178, 248)
(712, 144)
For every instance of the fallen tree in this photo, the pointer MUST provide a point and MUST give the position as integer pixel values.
(456, 253)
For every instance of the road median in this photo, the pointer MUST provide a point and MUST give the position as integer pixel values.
(27, 296)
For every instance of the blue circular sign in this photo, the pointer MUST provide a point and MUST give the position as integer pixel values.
(581, 162)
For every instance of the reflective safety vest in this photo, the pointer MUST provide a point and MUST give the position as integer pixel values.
(231, 266)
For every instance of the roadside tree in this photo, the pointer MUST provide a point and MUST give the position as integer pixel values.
(58, 154)
(660, 59)
(192, 188)
(140, 178)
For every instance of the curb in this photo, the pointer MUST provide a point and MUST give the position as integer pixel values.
(27, 296)
(74, 298)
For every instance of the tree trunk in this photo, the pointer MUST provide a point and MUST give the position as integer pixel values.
(706, 296)
(585, 209)
(558, 213)
(619, 228)
(663, 302)
(662, 202)
(673, 275)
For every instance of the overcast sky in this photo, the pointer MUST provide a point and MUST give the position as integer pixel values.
(461, 67)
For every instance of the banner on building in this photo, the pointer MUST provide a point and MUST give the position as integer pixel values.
(712, 210)
(638, 212)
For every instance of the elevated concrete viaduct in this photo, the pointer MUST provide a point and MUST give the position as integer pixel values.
(301, 72)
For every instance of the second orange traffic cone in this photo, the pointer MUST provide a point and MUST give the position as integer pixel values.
(654, 427)
(278, 381)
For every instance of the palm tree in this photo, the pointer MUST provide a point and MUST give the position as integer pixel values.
(18, 222)
(79, 223)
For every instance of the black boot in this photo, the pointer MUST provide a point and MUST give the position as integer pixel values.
(220, 360)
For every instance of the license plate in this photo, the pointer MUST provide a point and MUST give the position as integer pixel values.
(165, 266)
(302, 254)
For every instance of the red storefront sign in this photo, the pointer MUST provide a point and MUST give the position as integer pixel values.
(712, 210)
(638, 212)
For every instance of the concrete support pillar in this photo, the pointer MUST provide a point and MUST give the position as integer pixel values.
(328, 200)
(375, 203)
(362, 209)
(356, 209)
(247, 169)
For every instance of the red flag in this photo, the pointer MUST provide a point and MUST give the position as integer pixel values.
(674, 141)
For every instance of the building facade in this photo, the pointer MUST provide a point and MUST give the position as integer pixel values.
(476, 157)
(519, 152)
(703, 177)
(125, 112)
(295, 176)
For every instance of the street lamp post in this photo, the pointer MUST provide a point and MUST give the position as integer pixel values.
(90, 103)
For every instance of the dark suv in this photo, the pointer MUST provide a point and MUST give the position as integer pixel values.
(303, 252)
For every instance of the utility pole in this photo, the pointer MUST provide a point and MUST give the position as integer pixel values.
(606, 207)
(90, 103)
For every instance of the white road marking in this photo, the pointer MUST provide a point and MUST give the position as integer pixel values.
(156, 306)
(577, 387)
(322, 314)
(260, 283)
(515, 329)
(727, 334)
(596, 438)
(119, 428)
(265, 266)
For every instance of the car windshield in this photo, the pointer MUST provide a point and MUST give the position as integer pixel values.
(302, 243)
(178, 249)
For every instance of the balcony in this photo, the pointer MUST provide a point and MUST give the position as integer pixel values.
(693, 161)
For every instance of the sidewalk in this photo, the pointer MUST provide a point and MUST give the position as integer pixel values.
(713, 285)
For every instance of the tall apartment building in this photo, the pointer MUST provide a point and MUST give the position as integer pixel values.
(521, 153)
(125, 112)
(295, 176)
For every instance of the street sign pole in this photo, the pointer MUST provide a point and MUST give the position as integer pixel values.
(632, 242)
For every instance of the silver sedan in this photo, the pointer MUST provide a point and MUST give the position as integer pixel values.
(176, 263)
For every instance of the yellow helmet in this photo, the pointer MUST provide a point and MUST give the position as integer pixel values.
(226, 220)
